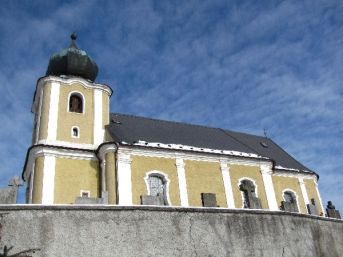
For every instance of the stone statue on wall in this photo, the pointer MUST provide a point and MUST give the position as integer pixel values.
(332, 212)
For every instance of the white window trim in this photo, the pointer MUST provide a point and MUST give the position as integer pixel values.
(85, 191)
(242, 195)
(72, 132)
(295, 194)
(162, 174)
(83, 102)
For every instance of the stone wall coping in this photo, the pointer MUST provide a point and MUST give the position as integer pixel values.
(93, 207)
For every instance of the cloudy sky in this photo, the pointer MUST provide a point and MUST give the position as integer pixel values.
(239, 65)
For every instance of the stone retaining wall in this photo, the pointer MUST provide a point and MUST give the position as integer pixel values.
(160, 231)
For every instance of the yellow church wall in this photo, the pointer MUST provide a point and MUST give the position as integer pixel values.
(204, 177)
(44, 119)
(140, 165)
(237, 172)
(72, 176)
(312, 193)
(111, 177)
(281, 183)
(38, 180)
(105, 109)
(66, 119)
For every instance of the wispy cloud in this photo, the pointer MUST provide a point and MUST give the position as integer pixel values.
(242, 66)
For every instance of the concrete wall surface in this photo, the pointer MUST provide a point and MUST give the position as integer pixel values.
(72, 231)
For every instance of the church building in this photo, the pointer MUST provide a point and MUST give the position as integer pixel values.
(82, 153)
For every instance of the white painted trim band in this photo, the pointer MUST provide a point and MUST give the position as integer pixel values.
(48, 180)
(53, 111)
(98, 131)
(124, 179)
(181, 175)
(227, 184)
(269, 187)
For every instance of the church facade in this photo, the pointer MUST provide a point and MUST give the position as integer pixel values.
(80, 151)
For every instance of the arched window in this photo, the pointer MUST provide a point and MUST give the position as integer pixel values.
(289, 197)
(158, 187)
(75, 103)
(248, 189)
(290, 202)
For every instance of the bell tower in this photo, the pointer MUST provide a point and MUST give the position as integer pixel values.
(70, 112)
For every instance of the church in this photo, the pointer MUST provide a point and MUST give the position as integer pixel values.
(82, 153)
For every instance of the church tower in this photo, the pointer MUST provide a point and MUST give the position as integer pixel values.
(70, 112)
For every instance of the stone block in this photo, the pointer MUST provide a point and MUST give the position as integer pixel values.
(290, 207)
(255, 203)
(88, 200)
(209, 200)
(151, 200)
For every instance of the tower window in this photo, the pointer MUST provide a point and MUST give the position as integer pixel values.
(75, 103)
(75, 132)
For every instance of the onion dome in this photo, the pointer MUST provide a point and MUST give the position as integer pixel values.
(72, 61)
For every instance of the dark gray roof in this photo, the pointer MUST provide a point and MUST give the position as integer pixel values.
(132, 129)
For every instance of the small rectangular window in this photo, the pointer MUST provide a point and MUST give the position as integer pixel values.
(85, 193)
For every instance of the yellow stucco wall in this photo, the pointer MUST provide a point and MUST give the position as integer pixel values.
(44, 119)
(140, 165)
(72, 176)
(312, 193)
(238, 172)
(66, 119)
(281, 183)
(38, 180)
(204, 177)
(105, 109)
(111, 178)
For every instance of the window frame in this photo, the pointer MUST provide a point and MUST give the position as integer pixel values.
(165, 180)
(83, 99)
(294, 193)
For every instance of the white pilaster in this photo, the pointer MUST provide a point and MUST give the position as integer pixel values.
(53, 110)
(227, 184)
(303, 191)
(124, 179)
(98, 123)
(48, 180)
(266, 172)
(320, 199)
(180, 167)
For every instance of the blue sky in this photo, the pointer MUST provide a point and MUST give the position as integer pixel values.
(240, 65)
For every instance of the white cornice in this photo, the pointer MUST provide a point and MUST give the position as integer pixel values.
(173, 153)
(67, 80)
(293, 174)
(67, 144)
(55, 152)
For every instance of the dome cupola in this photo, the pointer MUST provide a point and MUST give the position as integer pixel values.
(72, 61)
